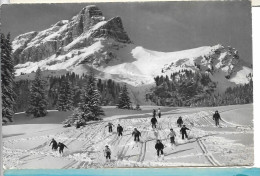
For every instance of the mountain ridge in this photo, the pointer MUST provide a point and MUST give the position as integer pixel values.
(88, 40)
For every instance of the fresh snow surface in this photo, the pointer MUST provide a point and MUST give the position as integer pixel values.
(26, 143)
(240, 77)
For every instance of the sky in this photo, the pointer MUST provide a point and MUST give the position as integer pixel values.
(160, 26)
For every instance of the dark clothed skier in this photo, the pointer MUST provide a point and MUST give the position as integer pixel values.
(216, 117)
(172, 135)
(61, 147)
(119, 130)
(107, 153)
(54, 144)
(109, 127)
(154, 113)
(159, 147)
(136, 134)
(77, 124)
(153, 121)
(159, 113)
(184, 132)
(180, 122)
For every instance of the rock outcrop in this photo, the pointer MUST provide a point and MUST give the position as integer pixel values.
(82, 29)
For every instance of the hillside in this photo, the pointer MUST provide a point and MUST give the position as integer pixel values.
(91, 40)
(26, 142)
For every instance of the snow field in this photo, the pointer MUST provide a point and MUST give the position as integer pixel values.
(207, 144)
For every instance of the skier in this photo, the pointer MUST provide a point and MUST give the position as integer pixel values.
(61, 147)
(77, 124)
(119, 130)
(109, 127)
(107, 153)
(154, 121)
(184, 132)
(159, 113)
(136, 134)
(172, 135)
(159, 147)
(180, 121)
(216, 117)
(154, 113)
(54, 144)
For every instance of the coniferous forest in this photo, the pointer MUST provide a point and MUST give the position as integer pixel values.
(187, 88)
(59, 89)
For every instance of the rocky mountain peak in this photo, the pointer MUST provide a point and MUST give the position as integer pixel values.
(79, 32)
(89, 16)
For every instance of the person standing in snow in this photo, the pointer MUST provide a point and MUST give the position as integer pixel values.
(109, 127)
(172, 135)
(159, 113)
(77, 124)
(119, 130)
(184, 131)
(61, 147)
(159, 147)
(107, 153)
(136, 135)
(180, 121)
(154, 113)
(153, 121)
(54, 144)
(216, 117)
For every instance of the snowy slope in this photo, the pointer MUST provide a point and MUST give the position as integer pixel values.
(26, 145)
(88, 40)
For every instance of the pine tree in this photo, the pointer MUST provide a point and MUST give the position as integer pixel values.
(38, 102)
(124, 100)
(65, 96)
(7, 78)
(76, 116)
(90, 100)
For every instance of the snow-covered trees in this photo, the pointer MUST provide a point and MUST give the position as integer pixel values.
(65, 96)
(90, 100)
(76, 116)
(196, 89)
(124, 100)
(7, 78)
(38, 101)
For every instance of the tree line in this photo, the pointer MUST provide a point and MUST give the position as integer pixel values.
(71, 84)
(187, 88)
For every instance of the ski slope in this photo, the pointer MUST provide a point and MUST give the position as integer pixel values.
(232, 144)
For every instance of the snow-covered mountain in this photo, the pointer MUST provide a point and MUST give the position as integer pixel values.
(88, 39)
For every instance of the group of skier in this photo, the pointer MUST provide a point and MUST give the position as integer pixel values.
(159, 146)
(56, 145)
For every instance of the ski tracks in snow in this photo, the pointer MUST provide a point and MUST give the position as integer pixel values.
(95, 135)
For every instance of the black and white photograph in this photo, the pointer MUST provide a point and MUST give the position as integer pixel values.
(127, 85)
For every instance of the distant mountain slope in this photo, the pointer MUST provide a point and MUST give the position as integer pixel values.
(88, 39)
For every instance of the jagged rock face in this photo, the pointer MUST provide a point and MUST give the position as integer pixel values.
(113, 28)
(89, 24)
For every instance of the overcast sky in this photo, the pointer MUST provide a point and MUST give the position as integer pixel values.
(161, 26)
